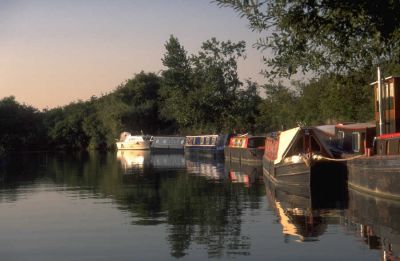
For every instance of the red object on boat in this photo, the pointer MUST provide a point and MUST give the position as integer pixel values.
(389, 136)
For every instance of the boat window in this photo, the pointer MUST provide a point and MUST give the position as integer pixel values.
(355, 141)
(297, 148)
(214, 140)
(315, 145)
(258, 142)
(197, 141)
(340, 135)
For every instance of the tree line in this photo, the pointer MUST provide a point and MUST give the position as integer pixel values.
(194, 94)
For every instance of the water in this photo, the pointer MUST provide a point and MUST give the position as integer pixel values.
(142, 206)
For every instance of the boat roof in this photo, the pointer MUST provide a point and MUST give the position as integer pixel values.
(387, 78)
(206, 135)
(168, 137)
(356, 126)
(328, 129)
(248, 136)
(289, 137)
(285, 139)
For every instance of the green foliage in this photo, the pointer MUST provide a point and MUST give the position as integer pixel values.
(216, 83)
(21, 127)
(200, 93)
(176, 83)
(323, 36)
(139, 103)
(280, 109)
(96, 124)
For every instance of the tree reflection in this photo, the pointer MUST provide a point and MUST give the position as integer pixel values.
(196, 209)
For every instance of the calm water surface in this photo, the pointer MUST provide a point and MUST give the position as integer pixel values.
(142, 206)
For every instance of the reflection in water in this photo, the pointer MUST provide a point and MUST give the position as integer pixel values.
(134, 161)
(168, 161)
(137, 161)
(194, 211)
(298, 216)
(205, 165)
(85, 205)
(376, 220)
(243, 173)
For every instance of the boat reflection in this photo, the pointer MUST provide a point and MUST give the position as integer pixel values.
(243, 173)
(137, 161)
(134, 161)
(302, 218)
(168, 161)
(209, 167)
(376, 220)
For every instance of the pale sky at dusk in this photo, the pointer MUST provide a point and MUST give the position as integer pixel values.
(53, 52)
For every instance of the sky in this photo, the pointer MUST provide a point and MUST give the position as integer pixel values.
(53, 52)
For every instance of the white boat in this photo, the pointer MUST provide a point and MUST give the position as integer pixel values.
(133, 142)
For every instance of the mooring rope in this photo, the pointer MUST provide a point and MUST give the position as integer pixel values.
(347, 159)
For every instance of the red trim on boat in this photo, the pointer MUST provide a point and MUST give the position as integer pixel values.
(389, 136)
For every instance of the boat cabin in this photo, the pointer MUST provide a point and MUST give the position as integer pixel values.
(388, 120)
(390, 91)
(355, 138)
(206, 142)
(294, 142)
(168, 143)
(247, 142)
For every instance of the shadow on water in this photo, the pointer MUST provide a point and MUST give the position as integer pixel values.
(329, 186)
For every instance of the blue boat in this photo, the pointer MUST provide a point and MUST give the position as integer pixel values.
(206, 143)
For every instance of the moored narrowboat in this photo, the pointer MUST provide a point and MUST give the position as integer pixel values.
(245, 148)
(377, 168)
(206, 143)
(354, 139)
(167, 143)
(295, 158)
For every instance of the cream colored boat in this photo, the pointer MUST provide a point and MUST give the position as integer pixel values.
(133, 142)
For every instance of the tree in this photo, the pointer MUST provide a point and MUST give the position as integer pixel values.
(139, 100)
(21, 127)
(279, 110)
(216, 83)
(323, 35)
(176, 83)
(199, 93)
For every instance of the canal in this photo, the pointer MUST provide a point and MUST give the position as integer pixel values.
(142, 206)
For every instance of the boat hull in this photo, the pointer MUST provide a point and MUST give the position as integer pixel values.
(319, 178)
(377, 175)
(167, 144)
(294, 178)
(245, 155)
